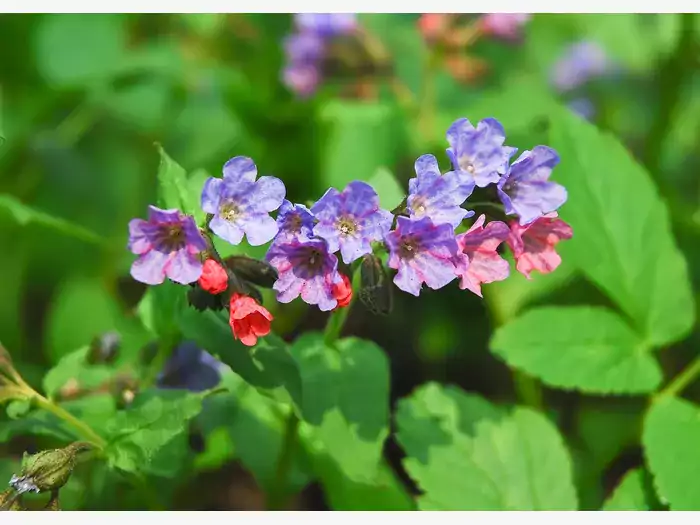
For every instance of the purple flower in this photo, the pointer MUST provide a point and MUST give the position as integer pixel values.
(305, 267)
(526, 190)
(350, 220)
(304, 54)
(436, 196)
(424, 252)
(294, 221)
(241, 205)
(304, 47)
(326, 24)
(581, 62)
(167, 245)
(190, 368)
(479, 152)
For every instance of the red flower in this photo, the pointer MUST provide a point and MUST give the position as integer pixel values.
(343, 292)
(214, 278)
(248, 319)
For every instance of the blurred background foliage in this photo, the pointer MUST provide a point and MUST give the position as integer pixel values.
(86, 97)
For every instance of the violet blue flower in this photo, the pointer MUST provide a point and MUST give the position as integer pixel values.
(326, 24)
(580, 62)
(167, 245)
(437, 196)
(526, 191)
(304, 54)
(305, 267)
(479, 152)
(504, 25)
(294, 221)
(304, 47)
(424, 252)
(241, 205)
(350, 220)
(190, 368)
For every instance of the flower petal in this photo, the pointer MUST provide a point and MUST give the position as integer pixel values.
(149, 268)
(240, 168)
(183, 267)
(227, 230)
(268, 193)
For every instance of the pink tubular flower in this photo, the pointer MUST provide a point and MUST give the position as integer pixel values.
(533, 244)
(248, 319)
(504, 25)
(479, 244)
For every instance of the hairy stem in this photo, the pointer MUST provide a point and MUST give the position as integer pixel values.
(278, 496)
(682, 380)
(81, 427)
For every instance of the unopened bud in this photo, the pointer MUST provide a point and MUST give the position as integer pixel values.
(375, 289)
(257, 272)
(47, 470)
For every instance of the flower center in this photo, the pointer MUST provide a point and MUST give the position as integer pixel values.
(467, 165)
(346, 226)
(314, 261)
(294, 223)
(229, 211)
(408, 247)
(171, 237)
(418, 207)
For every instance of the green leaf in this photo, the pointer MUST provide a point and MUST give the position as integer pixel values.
(670, 438)
(630, 494)
(268, 366)
(80, 49)
(578, 347)
(195, 185)
(160, 307)
(388, 188)
(634, 259)
(361, 140)
(155, 418)
(466, 455)
(75, 366)
(25, 215)
(172, 184)
(345, 398)
(142, 105)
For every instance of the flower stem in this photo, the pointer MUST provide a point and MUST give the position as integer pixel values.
(682, 380)
(278, 496)
(80, 426)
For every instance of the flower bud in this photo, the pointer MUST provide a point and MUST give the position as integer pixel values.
(257, 272)
(214, 278)
(47, 470)
(375, 289)
(343, 291)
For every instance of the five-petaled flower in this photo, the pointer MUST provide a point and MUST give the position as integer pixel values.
(480, 245)
(436, 196)
(305, 267)
(241, 205)
(248, 319)
(350, 220)
(526, 189)
(294, 221)
(168, 244)
(423, 252)
(533, 244)
(479, 152)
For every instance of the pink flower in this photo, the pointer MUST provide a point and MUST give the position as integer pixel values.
(479, 244)
(533, 244)
(504, 25)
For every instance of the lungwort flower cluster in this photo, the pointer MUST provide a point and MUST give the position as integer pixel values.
(314, 250)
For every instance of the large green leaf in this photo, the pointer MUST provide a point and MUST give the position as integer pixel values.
(630, 494)
(268, 366)
(622, 235)
(466, 455)
(671, 436)
(578, 347)
(172, 183)
(137, 433)
(345, 398)
(80, 49)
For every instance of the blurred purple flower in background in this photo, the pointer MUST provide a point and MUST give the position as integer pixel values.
(305, 48)
(580, 62)
(350, 220)
(526, 190)
(167, 245)
(241, 205)
(504, 25)
(437, 196)
(583, 107)
(479, 152)
(191, 368)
